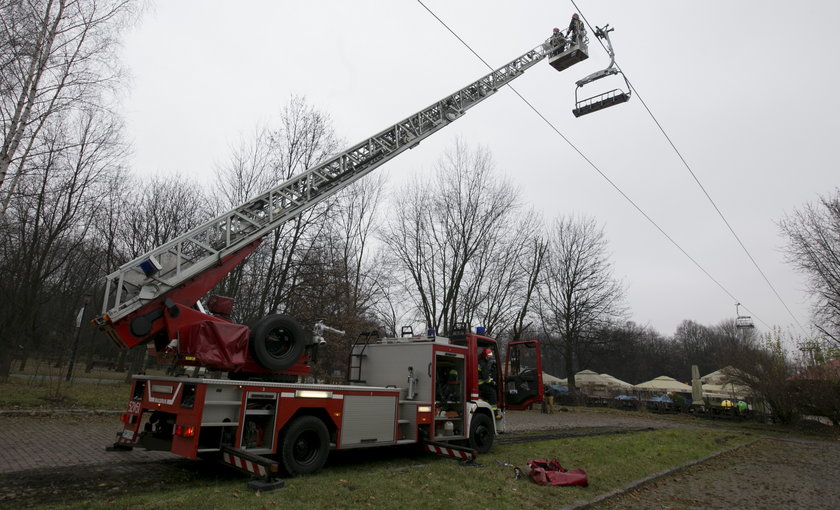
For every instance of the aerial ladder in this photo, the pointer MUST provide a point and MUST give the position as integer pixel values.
(155, 299)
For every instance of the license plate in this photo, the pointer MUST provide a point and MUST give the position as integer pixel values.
(128, 434)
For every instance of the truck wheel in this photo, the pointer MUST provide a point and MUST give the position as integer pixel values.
(278, 341)
(481, 433)
(305, 446)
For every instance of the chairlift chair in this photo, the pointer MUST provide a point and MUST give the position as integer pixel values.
(742, 321)
(605, 99)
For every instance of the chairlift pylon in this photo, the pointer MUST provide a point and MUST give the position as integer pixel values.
(605, 99)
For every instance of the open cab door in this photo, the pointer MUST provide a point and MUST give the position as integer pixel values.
(523, 375)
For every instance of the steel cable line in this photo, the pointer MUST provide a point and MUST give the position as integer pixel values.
(696, 179)
(593, 165)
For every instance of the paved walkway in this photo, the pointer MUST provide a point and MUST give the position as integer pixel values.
(46, 442)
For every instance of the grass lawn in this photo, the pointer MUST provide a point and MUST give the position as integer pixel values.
(34, 392)
(427, 481)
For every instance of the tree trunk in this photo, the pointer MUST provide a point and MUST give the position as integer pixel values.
(121, 361)
(568, 361)
(5, 364)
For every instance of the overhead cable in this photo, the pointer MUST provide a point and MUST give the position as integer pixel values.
(593, 165)
(696, 179)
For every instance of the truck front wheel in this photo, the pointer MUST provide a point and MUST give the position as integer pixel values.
(481, 433)
(305, 446)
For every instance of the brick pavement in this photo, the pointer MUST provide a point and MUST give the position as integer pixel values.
(47, 442)
(58, 441)
(47, 459)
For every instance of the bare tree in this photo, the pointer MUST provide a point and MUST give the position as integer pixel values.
(445, 234)
(55, 55)
(813, 247)
(499, 283)
(633, 353)
(339, 280)
(250, 170)
(49, 224)
(578, 294)
(268, 280)
(532, 267)
(767, 370)
(159, 210)
(351, 229)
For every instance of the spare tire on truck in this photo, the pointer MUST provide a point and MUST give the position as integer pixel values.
(277, 341)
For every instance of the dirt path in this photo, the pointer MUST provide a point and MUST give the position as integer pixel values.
(770, 473)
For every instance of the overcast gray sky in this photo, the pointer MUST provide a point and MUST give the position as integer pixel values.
(747, 91)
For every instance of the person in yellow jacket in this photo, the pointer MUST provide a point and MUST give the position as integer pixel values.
(548, 393)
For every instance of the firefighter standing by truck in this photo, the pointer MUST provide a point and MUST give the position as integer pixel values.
(486, 378)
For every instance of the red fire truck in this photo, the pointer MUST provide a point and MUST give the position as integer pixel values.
(404, 390)
(420, 390)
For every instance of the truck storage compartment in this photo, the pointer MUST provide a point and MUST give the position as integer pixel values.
(368, 420)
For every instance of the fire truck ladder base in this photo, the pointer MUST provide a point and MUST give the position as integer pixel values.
(264, 470)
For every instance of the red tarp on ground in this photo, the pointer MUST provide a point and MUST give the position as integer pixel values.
(550, 472)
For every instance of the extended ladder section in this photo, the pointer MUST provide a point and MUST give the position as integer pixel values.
(152, 275)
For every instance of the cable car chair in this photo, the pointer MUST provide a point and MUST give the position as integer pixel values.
(606, 99)
(742, 321)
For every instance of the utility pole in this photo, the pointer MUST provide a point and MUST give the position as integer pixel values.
(76, 340)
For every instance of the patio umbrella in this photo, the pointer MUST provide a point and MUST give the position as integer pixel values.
(663, 383)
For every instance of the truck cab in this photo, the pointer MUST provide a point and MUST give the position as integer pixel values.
(442, 398)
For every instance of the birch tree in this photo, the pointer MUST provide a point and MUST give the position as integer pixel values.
(55, 55)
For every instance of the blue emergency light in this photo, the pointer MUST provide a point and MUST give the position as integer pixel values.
(150, 266)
